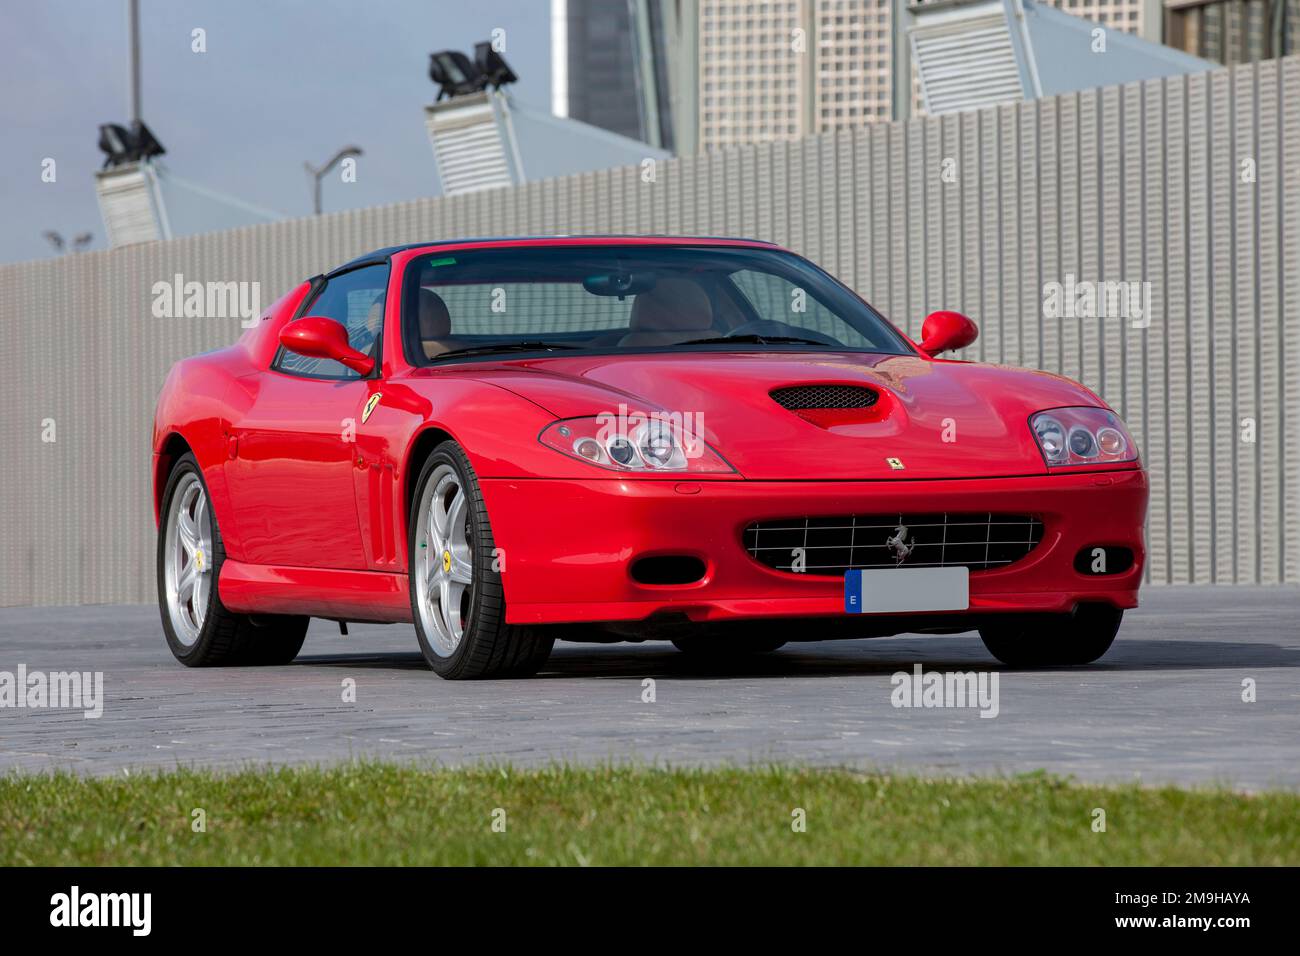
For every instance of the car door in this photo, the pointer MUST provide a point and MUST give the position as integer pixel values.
(293, 451)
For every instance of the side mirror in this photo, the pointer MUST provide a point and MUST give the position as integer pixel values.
(945, 331)
(318, 337)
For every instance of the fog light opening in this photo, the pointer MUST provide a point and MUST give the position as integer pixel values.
(668, 569)
(1098, 560)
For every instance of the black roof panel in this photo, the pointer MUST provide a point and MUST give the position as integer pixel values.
(380, 255)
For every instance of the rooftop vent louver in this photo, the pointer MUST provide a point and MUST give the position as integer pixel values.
(128, 201)
(471, 144)
(966, 64)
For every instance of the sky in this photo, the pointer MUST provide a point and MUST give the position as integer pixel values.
(283, 82)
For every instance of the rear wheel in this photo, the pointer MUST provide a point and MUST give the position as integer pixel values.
(1066, 639)
(457, 599)
(200, 630)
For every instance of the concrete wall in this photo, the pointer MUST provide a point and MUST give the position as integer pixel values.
(1141, 183)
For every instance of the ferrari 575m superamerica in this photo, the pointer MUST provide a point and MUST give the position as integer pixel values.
(708, 441)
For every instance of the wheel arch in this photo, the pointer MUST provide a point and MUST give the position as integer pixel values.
(196, 441)
(169, 452)
(429, 437)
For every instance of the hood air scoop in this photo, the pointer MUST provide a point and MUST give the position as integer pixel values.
(829, 405)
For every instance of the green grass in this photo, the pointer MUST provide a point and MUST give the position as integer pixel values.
(389, 814)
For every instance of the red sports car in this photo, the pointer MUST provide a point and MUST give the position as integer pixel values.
(709, 441)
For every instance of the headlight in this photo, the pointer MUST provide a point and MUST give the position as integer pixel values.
(659, 447)
(1083, 443)
(1051, 438)
(633, 443)
(1082, 436)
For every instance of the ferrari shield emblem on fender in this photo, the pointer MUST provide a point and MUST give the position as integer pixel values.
(371, 402)
(895, 463)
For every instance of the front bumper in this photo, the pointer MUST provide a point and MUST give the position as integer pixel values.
(566, 547)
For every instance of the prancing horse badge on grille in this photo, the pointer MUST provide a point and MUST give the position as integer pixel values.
(899, 545)
(895, 463)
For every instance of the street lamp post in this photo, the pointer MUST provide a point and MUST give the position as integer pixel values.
(318, 174)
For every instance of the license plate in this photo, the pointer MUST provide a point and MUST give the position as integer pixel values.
(903, 590)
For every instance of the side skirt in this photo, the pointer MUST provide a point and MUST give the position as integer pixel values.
(379, 596)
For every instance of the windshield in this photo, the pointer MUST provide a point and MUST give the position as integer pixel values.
(481, 302)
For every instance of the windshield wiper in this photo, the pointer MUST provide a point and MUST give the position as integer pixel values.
(755, 339)
(536, 346)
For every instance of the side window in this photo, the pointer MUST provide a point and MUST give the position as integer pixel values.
(356, 301)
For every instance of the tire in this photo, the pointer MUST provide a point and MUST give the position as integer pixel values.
(720, 641)
(1066, 639)
(451, 560)
(200, 630)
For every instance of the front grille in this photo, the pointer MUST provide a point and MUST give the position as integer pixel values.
(799, 397)
(846, 542)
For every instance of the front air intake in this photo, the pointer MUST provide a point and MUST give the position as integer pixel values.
(797, 398)
(833, 545)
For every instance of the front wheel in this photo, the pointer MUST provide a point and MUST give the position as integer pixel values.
(200, 630)
(457, 599)
(1066, 639)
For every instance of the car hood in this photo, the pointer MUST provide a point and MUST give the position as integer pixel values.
(937, 419)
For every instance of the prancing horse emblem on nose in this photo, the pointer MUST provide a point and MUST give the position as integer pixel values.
(898, 544)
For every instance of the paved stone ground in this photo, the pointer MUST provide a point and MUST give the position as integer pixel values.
(1163, 706)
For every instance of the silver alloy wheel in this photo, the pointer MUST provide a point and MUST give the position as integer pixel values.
(444, 561)
(188, 572)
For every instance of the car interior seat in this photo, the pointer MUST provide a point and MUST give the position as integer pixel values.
(435, 325)
(675, 310)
